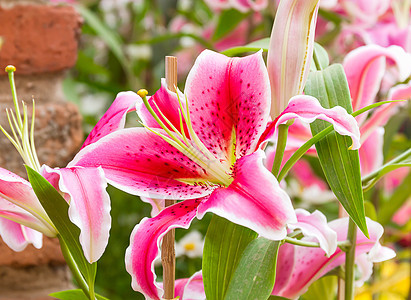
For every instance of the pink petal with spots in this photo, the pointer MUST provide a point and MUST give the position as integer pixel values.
(19, 191)
(365, 67)
(308, 109)
(290, 50)
(228, 95)
(301, 266)
(14, 213)
(17, 236)
(371, 155)
(140, 162)
(145, 242)
(315, 228)
(254, 199)
(89, 206)
(114, 118)
(191, 288)
(168, 104)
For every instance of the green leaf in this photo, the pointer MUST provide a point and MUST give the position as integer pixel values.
(227, 21)
(57, 210)
(254, 277)
(341, 166)
(320, 56)
(251, 47)
(74, 295)
(110, 37)
(277, 298)
(224, 244)
(324, 288)
(397, 199)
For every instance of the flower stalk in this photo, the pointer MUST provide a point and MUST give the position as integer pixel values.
(350, 260)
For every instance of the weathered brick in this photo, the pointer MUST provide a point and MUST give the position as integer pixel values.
(39, 38)
(58, 136)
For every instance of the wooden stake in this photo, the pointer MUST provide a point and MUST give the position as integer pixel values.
(167, 249)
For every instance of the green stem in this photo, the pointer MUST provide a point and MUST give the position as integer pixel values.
(307, 145)
(350, 260)
(74, 268)
(342, 244)
(399, 158)
(281, 143)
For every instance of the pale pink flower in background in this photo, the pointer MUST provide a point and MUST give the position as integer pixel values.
(240, 5)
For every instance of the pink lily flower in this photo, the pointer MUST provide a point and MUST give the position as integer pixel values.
(83, 188)
(365, 68)
(298, 267)
(212, 161)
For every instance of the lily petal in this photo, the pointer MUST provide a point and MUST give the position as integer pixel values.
(140, 162)
(89, 206)
(17, 236)
(365, 67)
(19, 191)
(371, 151)
(156, 204)
(114, 118)
(191, 288)
(290, 51)
(308, 109)
(229, 101)
(314, 227)
(145, 243)
(14, 213)
(265, 210)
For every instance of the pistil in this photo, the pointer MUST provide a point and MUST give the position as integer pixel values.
(193, 148)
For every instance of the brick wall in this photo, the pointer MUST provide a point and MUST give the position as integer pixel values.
(41, 41)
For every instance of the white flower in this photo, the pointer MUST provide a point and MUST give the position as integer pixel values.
(190, 245)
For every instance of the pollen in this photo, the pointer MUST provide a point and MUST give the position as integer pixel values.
(142, 93)
(10, 68)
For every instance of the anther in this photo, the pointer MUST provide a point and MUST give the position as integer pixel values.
(142, 93)
(10, 68)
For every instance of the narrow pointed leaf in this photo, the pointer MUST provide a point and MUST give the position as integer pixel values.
(341, 166)
(57, 210)
(254, 277)
(223, 247)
